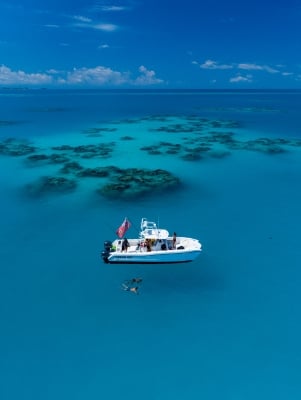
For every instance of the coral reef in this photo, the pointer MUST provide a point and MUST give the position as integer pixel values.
(135, 182)
(50, 184)
(101, 150)
(16, 148)
(190, 138)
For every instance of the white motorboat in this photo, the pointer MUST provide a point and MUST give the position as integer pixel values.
(153, 246)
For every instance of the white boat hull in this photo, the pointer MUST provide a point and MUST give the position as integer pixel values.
(158, 257)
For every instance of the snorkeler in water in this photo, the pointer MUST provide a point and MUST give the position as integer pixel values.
(134, 280)
(133, 289)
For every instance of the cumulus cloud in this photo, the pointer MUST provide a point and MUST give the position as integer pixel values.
(105, 27)
(103, 46)
(100, 6)
(81, 18)
(93, 77)
(9, 77)
(215, 65)
(81, 21)
(210, 64)
(54, 26)
(240, 78)
(99, 27)
(112, 8)
(147, 77)
(53, 71)
(257, 67)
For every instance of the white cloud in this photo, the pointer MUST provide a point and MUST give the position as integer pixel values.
(52, 71)
(112, 8)
(82, 18)
(214, 65)
(9, 77)
(105, 27)
(249, 66)
(99, 6)
(51, 26)
(240, 78)
(99, 27)
(103, 46)
(257, 67)
(96, 76)
(147, 77)
(210, 64)
(270, 69)
(81, 21)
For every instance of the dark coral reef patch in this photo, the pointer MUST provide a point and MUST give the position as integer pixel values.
(97, 172)
(14, 147)
(97, 132)
(136, 182)
(209, 138)
(40, 159)
(100, 150)
(50, 184)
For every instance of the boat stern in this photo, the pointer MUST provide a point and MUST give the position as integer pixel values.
(107, 247)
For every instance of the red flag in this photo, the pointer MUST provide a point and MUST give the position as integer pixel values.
(123, 228)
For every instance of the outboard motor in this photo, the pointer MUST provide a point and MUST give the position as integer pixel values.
(106, 252)
(107, 245)
(105, 255)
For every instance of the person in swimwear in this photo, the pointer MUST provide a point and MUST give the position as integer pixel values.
(130, 289)
(134, 280)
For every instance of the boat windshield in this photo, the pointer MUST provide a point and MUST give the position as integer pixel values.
(145, 224)
(149, 230)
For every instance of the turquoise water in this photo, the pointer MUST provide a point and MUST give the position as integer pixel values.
(226, 326)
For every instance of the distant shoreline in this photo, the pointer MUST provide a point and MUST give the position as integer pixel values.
(147, 90)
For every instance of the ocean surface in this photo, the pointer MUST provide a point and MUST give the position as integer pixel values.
(226, 326)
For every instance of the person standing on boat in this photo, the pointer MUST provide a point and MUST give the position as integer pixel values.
(148, 245)
(125, 245)
(174, 240)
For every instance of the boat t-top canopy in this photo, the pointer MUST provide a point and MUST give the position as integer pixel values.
(149, 230)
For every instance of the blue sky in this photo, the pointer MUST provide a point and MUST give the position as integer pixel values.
(150, 44)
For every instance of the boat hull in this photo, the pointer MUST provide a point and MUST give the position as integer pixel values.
(166, 257)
